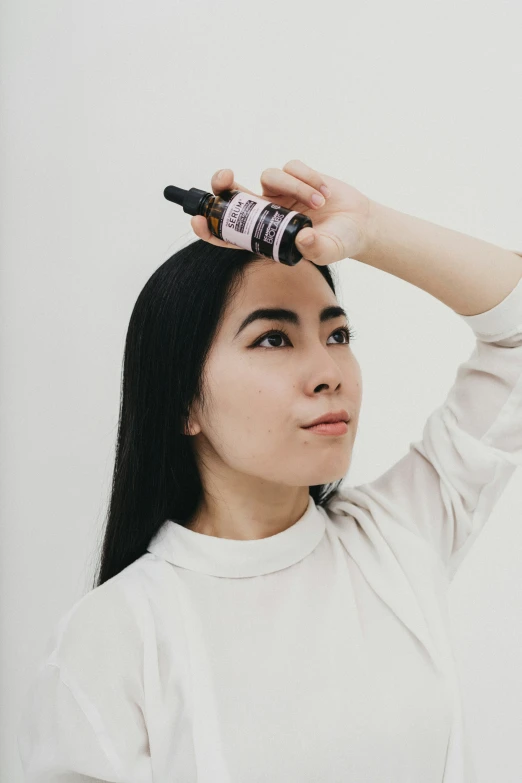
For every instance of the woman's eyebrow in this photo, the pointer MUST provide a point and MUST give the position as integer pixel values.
(282, 314)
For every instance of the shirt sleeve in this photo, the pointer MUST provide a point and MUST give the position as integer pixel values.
(446, 486)
(83, 718)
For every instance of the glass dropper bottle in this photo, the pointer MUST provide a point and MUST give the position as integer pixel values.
(247, 221)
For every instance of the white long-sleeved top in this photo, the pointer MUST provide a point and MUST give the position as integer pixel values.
(321, 653)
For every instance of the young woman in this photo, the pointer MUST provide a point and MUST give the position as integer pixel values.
(251, 621)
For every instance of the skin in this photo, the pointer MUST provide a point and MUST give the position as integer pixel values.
(255, 461)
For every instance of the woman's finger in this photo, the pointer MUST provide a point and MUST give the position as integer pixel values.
(325, 248)
(224, 180)
(200, 228)
(314, 178)
(296, 179)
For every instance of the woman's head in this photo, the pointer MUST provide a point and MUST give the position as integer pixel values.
(205, 401)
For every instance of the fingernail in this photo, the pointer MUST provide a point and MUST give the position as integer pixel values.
(308, 239)
(325, 191)
(317, 200)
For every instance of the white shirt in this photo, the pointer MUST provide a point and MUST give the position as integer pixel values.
(321, 653)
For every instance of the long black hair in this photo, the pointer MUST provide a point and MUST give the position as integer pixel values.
(170, 334)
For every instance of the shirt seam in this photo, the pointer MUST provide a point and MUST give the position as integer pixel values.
(83, 702)
(514, 396)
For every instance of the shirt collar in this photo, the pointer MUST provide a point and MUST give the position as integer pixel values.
(232, 557)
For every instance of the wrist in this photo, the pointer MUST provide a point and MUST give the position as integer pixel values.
(372, 232)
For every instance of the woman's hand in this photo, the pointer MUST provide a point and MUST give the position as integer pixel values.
(342, 226)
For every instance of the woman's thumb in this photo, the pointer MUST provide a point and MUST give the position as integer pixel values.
(314, 246)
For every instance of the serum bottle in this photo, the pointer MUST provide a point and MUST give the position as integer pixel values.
(247, 221)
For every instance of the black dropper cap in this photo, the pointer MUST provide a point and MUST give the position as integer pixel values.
(190, 200)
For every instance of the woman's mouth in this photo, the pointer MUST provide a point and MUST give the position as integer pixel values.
(331, 428)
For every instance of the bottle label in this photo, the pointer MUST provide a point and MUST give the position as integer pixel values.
(255, 224)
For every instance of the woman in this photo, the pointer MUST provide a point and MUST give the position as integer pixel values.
(251, 621)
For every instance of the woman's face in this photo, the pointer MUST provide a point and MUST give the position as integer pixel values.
(258, 397)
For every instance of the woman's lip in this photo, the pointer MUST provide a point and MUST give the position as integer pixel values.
(330, 418)
(329, 428)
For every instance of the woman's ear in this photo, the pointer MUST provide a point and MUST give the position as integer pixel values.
(192, 431)
(190, 428)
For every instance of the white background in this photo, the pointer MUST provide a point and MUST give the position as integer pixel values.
(103, 104)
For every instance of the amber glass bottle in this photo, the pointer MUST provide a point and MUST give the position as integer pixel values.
(245, 220)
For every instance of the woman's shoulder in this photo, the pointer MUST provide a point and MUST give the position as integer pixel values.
(108, 621)
(85, 704)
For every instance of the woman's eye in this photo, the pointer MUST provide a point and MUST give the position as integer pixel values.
(277, 334)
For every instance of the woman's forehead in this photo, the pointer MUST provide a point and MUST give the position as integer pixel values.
(293, 286)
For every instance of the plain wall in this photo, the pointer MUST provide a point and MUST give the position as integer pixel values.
(105, 103)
